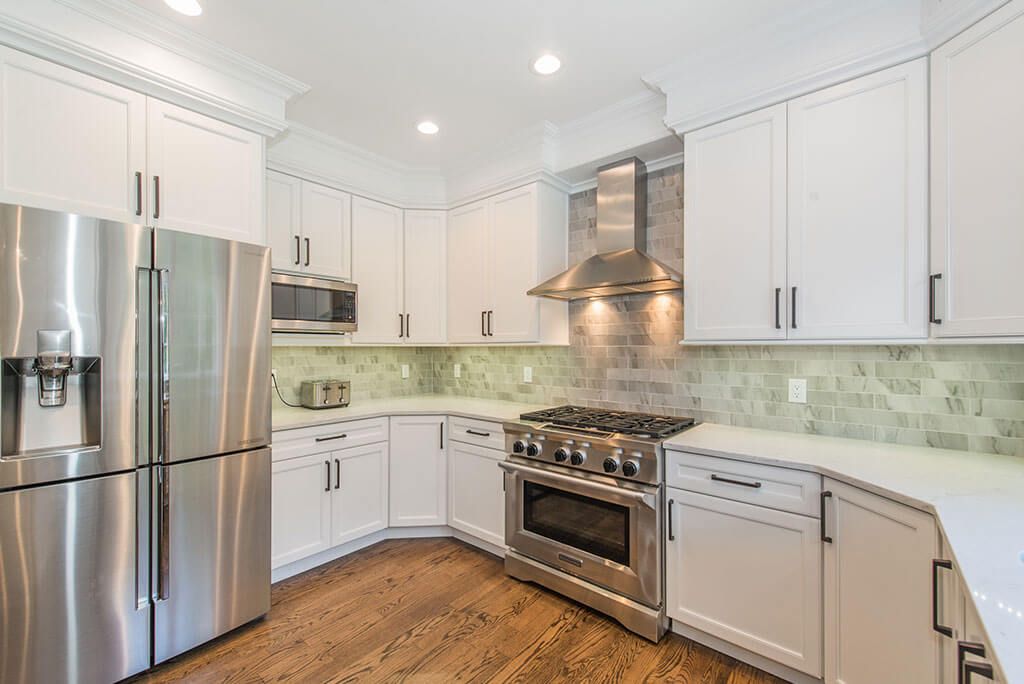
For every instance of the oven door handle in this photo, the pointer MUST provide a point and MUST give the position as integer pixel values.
(648, 500)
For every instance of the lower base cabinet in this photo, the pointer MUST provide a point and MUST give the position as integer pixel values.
(746, 574)
(878, 589)
(325, 499)
(476, 486)
(418, 471)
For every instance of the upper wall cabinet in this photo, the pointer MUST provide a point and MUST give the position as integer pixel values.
(207, 175)
(308, 227)
(807, 220)
(976, 185)
(425, 282)
(498, 248)
(71, 142)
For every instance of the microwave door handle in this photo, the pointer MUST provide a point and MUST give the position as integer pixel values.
(576, 483)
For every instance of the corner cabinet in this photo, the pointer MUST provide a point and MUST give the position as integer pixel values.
(831, 241)
(75, 143)
(498, 248)
(309, 227)
(977, 108)
(418, 490)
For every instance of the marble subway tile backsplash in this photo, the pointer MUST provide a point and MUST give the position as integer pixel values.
(375, 372)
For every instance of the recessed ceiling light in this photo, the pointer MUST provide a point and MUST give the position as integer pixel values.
(427, 127)
(545, 65)
(189, 8)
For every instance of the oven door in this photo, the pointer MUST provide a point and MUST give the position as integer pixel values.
(600, 529)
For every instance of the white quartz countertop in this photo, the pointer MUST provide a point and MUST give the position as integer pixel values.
(977, 500)
(288, 418)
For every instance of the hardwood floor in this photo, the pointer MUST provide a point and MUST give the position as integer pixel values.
(438, 610)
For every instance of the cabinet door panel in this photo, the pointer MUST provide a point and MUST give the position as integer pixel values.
(418, 471)
(771, 606)
(211, 175)
(977, 167)
(300, 508)
(425, 276)
(878, 598)
(70, 142)
(359, 498)
(377, 268)
(284, 217)
(476, 492)
(326, 232)
(735, 251)
(512, 267)
(467, 272)
(858, 165)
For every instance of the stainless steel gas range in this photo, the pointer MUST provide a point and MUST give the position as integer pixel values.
(584, 506)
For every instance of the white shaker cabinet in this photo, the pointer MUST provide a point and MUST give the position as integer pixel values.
(476, 492)
(735, 254)
(309, 227)
(418, 471)
(499, 248)
(359, 494)
(858, 208)
(300, 507)
(284, 221)
(425, 276)
(377, 267)
(977, 240)
(70, 142)
(205, 176)
(877, 589)
(746, 574)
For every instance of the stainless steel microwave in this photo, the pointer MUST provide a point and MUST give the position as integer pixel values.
(300, 304)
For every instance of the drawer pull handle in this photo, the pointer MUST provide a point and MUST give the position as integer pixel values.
(328, 439)
(969, 667)
(824, 537)
(719, 478)
(478, 434)
(936, 564)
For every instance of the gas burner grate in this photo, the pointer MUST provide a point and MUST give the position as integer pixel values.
(622, 422)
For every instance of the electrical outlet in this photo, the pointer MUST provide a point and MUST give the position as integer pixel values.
(797, 391)
(405, 371)
(458, 370)
(527, 374)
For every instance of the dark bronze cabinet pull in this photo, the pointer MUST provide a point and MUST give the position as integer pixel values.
(478, 434)
(671, 535)
(936, 564)
(337, 473)
(441, 430)
(401, 326)
(328, 439)
(156, 197)
(483, 316)
(307, 251)
(328, 487)
(138, 193)
(490, 324)
(931, 298)
(778, 323)
(719, 478)
(792, 313)
(298, 250)
(966, 668)
(824, 537)
(407, 333)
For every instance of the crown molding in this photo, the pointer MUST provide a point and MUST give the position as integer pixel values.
(675, 159)
(121, 42)
(943, 19)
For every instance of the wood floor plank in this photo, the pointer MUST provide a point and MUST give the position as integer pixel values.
(437, 610)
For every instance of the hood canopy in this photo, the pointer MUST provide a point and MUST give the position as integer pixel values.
(621, 265)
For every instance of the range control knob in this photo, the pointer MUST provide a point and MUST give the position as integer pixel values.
(630, 468)
(610, 465)
(578, 458)
(533, 449)
(561, 454)
(519, 446)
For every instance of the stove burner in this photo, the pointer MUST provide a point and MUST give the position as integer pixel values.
(622, 422)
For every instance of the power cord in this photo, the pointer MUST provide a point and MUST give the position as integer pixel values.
(273, 378)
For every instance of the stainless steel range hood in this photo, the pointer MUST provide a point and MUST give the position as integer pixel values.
(621, 265)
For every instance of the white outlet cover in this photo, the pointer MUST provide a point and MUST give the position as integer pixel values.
(797, 391)
(405, 371)
(458, 370)
(527, 373)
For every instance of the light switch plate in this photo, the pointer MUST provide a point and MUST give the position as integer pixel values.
(797, 391)
(527, 373)
(458, 370)
(405, 371)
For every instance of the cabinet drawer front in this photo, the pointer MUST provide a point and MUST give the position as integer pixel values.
(780, 488)
(324, 438)
(480, 432)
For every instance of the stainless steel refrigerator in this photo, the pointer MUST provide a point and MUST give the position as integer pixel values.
(134, 433)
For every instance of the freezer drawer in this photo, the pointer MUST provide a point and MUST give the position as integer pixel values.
(212, 548)
(72, 606)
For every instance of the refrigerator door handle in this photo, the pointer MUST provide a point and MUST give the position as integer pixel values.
(163, 533)
(163, 359)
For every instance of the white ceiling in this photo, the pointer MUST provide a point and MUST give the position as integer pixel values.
(377, 67)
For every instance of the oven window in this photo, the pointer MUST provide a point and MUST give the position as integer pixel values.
(597, 527)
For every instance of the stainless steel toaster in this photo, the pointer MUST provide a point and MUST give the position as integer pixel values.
(319, 394)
